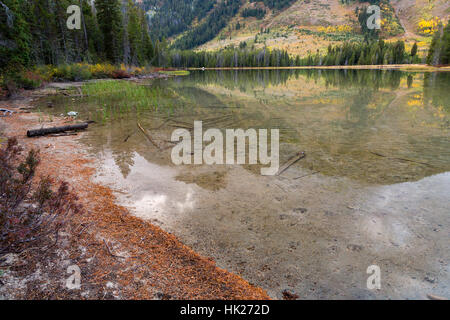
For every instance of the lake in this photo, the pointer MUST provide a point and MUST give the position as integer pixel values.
(374, 188)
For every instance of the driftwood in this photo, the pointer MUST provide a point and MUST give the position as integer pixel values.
(401, 159)
(306, 175)
(182, 126)
(55, 130)
(128, 137)
(434, 297)
(148, 136)
(291, 161)
(5, 112)
(218, 119)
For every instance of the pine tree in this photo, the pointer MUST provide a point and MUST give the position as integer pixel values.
(439, 52)
(110, 23)
(14, 31)
(134, 34)
(446, 45)
(414, 50)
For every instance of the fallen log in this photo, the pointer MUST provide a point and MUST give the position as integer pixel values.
(54, 130)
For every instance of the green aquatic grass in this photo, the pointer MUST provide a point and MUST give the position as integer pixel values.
(117, 98)
(176, 73)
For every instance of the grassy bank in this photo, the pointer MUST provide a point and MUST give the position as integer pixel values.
(13, 80)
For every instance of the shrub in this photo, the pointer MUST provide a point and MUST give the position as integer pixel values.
(14, 80)
(80, 72)
(26, 217)
(46, 72)
(73, 72)
(101, 71)
(428, 27)
(29, 80)
(120, 74)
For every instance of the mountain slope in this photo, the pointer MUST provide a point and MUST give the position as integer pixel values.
(299, 26)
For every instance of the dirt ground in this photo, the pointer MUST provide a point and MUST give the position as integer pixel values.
(120, 256)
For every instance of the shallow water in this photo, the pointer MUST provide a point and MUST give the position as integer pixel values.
(373, 126)
(373, 189)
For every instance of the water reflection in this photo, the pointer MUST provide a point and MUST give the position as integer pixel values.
(370, 125)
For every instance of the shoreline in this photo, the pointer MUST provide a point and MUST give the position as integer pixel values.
(400, 67)
(148, 262)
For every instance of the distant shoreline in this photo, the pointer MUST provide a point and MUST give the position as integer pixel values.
(401, 67)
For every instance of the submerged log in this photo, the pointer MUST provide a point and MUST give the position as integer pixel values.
(148, 136)
(291, 161)
(53, 130)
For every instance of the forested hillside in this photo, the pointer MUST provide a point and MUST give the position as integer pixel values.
(235, 32)
(208, 29)
(35, 32)
(195, 22)
(304, 26)
(171, 17)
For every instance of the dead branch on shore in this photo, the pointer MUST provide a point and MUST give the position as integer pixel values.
(55, 130)
(6, 112)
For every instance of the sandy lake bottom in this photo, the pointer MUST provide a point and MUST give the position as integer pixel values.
(374, 188)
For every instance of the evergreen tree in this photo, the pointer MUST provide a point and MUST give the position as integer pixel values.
(414, 50)
(110, 23)
(15, 35)
(439, 52)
